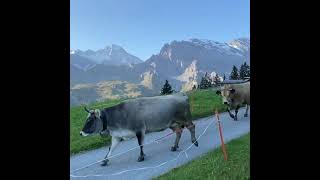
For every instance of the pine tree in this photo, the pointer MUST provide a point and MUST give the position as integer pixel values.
(206, 82)
(216, 80)
(202, 83)
(224, 77)
(243, 71)
(234, 73)
(166, 89)
(247, 74)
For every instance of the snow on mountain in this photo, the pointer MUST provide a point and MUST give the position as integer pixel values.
(182, 63)
(113, 55)
(242, 44)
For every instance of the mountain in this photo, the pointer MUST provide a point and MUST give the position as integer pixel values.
(210, 56)
(80, 62)
(110, 55)
(182, 63)
(243, 45)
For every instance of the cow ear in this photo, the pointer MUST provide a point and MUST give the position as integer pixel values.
(97, 112)
(232, 91)
(218, 92)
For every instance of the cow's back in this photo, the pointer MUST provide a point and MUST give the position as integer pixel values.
(243, 92)
(157, 113)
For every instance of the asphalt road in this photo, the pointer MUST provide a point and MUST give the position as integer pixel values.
(159, 159)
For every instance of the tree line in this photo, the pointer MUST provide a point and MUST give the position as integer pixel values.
(207, 81)
(243, 73)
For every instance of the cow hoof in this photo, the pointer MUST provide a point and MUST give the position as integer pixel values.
(141, 158)
(245, 115)
(173, 148)
(196, 143)
(104, 162)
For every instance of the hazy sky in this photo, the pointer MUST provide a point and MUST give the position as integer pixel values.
(142, 27)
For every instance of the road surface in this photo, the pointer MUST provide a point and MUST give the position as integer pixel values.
(159, 159)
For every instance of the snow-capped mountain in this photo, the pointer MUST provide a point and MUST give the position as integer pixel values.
(242, 44)
(182, 63)
(176, 56)
(113, 55)
(213, 45)
(80, 62)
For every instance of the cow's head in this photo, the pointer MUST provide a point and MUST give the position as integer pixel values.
(227, 93)
(93, 123)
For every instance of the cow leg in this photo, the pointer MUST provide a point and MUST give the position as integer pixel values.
(114, 142)
(236, 113)
(192, 130)
(230, 114)
(246, 114)
(178, 136)
(140, 137)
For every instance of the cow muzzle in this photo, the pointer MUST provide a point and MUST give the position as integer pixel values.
(83, 133)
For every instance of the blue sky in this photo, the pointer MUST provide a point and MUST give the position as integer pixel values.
(142, 27)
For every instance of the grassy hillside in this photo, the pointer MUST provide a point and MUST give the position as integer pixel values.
(213, 166)
(106, 90)
(203, 103)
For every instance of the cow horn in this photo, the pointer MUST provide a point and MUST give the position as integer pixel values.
(85, 108)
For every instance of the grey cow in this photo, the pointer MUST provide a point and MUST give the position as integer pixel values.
(136, 117)
(235, 95)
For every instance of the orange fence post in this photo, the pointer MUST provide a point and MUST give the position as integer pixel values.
(221, 137)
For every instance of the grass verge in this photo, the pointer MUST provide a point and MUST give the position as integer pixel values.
(213, 166)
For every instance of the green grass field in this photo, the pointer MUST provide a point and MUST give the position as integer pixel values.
(203, 103)
(213, 166)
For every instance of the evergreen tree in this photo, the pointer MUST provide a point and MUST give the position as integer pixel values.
(206, 82)
(234, 73)
(166, 89)
(242, 71)
(209, 81)
(224, 77)
(216, 80)
(203, 83)
(247, 74)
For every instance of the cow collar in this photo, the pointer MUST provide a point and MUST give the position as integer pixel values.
(104, 130)
(104, 124)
